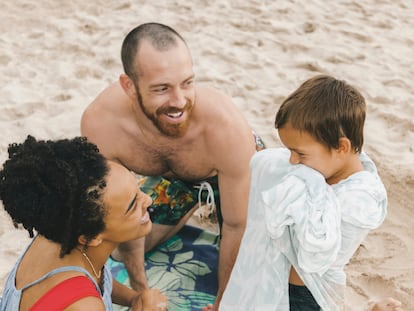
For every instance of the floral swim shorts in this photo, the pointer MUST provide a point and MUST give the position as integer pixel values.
(173, 198)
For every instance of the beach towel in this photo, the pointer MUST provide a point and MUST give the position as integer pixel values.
(184, 268)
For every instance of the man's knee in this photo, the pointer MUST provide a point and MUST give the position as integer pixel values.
(160, 233)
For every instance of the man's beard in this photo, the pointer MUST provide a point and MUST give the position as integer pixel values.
(168, 129)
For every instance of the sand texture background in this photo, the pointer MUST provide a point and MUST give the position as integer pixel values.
(56, 56)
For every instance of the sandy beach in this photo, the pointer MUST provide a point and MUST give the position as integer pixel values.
(56, 56)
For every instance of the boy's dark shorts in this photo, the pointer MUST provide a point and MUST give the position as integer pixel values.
(301, 299)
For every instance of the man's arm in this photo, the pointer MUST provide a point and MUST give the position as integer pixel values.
(234, 198)
(146, 300)
(132, 255)
(233, 157)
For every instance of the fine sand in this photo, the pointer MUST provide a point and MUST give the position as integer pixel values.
(56, 56)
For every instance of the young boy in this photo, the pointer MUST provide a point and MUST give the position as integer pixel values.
(310, 206)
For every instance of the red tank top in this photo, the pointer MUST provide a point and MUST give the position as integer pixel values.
(66, 293)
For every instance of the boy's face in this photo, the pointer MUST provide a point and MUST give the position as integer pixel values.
(306, 150)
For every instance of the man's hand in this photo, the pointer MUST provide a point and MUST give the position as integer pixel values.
(210, 307)
(149, 300)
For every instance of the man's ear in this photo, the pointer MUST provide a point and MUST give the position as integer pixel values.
(96, 241)
(344, 145)
(128, 86)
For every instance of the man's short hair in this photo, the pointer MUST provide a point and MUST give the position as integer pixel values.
(160, 36)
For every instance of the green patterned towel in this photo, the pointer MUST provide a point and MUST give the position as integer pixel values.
(184, 268)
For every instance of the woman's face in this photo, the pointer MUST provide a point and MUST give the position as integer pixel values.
(127, 217)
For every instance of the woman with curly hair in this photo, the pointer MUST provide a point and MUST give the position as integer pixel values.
(78, 207)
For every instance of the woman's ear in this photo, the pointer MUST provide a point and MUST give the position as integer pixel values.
(128, 86)
(96, 241)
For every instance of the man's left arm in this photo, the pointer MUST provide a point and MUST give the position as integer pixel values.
(234, 185)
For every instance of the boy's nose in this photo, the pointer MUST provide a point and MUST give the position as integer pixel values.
(294, 158)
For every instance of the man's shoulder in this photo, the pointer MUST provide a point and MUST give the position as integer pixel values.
(218, 113)
(102, 120)
(216, 106)
(106, 108)
(109, 100)
(210, 94)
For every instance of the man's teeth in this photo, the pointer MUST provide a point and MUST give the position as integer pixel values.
(175, 114)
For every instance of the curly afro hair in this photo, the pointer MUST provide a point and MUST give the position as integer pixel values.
(55, 188)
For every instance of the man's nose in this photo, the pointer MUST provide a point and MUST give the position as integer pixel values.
(178, 99)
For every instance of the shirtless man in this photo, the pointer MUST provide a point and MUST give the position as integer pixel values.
(157, 122)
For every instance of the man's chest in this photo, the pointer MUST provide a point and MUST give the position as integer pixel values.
(190, 162)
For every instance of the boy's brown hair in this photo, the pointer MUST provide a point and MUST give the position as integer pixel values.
(327, 109)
